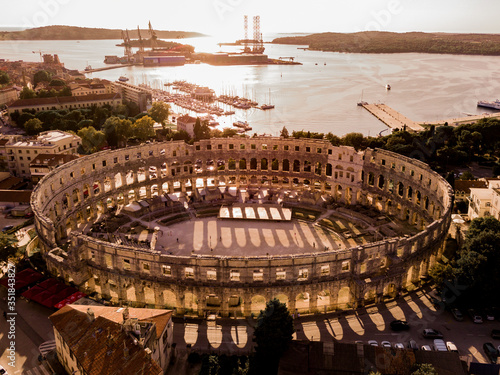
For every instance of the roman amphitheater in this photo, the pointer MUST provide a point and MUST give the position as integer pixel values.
(224, 225)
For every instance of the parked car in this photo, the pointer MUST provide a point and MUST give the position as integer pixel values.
(495, 334)
(399, 325)
(372, 343)
(474, 315)
(7, 228)
(490, 351)
(430, 333)
(412, 344)
(399, 345)
(457, 314)
(386, 344)
(426, 348)
(488, 313)
(451, 347)
(440, 346)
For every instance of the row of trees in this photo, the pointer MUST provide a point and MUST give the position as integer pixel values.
(472, 277)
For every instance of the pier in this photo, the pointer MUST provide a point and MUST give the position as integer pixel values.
(392, 118)
(106, 68)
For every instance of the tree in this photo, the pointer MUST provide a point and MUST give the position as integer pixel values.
(143, 129)
(424, 369)
(159, 112)
(201, 130)
(7, 246)
(57, 82)
(33, 126)
(273, 332)
(467, 175)
(27, 93)
(353, 139)
(92, 140)
(284, 132)
(41, 76)
(4, 78)
(117, 131)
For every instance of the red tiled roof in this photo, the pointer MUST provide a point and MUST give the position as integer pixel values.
(101, 346)
(466, 185)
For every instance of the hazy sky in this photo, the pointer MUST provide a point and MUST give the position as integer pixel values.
(225, 17)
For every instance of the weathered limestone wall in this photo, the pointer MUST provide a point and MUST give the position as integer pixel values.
(393, 184)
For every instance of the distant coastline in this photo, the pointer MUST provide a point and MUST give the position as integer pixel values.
(87, 33)
(388, 42)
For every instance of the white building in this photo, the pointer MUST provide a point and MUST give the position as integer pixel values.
(18, 152)
(186, 123)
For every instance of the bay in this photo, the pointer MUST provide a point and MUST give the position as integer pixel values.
(318, 96)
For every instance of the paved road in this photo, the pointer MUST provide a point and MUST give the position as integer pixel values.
(366, 324)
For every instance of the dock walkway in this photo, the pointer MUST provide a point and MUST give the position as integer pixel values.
(391, 117)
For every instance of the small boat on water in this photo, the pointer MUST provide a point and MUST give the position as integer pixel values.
(123, 79)
(267, 106)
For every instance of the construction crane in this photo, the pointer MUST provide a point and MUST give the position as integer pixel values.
(141, 42)
(127, 45)
(40, 52)
(153, 37)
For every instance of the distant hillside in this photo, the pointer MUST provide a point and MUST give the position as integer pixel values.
(86, 33)
(386, 42)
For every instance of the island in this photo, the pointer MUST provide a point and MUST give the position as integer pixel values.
(87, 33)
(389, 42)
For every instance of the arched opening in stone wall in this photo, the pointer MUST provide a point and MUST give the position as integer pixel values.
(258, 303)
(275, 165)
(381, 181)
(318, 168)
(323, 300)
(302, 301)
(190, 301)
(307, 166)
(286, 165)
(344, 298)
(296, 165)
(329, 170)
(283, 298)
(169, 299)
(370, 297)
(264, 164)
(149, 296)
(118, 177)
(253, 164)
(243, 164)
(390, 290)
(235, 305)
(97, 189)
(130, 293)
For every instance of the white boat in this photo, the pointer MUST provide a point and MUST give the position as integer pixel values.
(486, 104)
(267, 106)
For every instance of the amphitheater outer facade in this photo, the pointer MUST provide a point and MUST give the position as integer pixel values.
(76, 192)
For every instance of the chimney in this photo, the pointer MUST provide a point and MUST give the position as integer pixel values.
(125, 314)
(90, 314)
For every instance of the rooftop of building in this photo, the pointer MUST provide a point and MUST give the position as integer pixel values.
(99, 341)
(52, 159)
(15, 196)
(47, 139)
(465, 185)
(482, 193)
(63, 100)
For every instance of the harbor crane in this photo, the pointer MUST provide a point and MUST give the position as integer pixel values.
(154, 38)
(127, 44)
(141, 42)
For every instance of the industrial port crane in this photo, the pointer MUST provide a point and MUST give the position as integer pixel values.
(153, 36)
